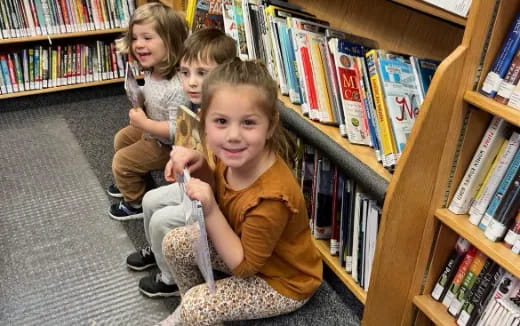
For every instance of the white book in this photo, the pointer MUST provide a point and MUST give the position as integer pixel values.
(248, 29)
(478, 208)
(282, 77)
(482, 159)
(458, 7)
(355, 233)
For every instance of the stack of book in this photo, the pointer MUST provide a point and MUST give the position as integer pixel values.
(489, 192)
(23, 18)
(476, 290)
(372, 95)
(39, 67)
(340, 212)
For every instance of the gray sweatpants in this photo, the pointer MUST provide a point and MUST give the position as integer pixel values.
(163, 212)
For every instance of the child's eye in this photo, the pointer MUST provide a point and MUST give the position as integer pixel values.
(220, 121)
(184, 73)
(203, 73)
(249, 122)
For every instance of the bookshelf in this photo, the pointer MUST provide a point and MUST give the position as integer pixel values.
(9, 45)
(412, 193)
(485, 30)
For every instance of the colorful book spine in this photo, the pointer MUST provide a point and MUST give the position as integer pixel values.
(476, 171)
(459, 276)
(388, 145)
(510, 81)
(450, 268)
(511, 171)
(503, 60)
(5, 73)
(504, 159)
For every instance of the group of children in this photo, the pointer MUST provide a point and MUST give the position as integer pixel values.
(254, 210)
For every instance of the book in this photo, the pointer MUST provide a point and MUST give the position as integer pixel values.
(208, 14)
(513, 233)
(187, 133)
(482, 160)
(324, 199)
(503, 160)
(194, 214)
(459, 276)
(467, 283)
(503, 60)
(511, 171)
(511, 78)
(132, 88)
(506, 211)
(458, 7)
(423, 70)
(459, 251)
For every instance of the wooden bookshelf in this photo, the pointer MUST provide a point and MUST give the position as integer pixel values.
(433, 10)
(332, 261)
(491, 106)
(497, 251)
(434, 310)
(365, 154)
(60, 36)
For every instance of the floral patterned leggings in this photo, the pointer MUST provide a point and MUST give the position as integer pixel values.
(235, 298)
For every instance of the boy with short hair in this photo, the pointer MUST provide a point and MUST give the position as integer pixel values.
(162, 208)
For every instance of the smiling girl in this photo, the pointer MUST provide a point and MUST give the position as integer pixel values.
(154, 39)
(254, 210)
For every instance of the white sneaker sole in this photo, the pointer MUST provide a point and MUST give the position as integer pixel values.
(160, 294)
(126, 218)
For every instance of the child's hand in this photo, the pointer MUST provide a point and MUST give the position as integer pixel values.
(181, 157)
(197, 189)
(137, 118)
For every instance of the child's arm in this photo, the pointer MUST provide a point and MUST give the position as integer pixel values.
(139, 120)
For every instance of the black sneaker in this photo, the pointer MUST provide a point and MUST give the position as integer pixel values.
(153, 287)
(113, 191)
(124, 211)
(141, 260)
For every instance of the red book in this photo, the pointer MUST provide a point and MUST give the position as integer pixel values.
(12, 75)
(309, 78)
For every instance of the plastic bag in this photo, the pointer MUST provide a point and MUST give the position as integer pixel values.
(194, 214)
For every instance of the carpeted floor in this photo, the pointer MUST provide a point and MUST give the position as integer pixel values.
(86, 120)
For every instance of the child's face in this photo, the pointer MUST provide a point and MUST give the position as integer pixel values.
(236, 127)
(193, 74)
(147, 45)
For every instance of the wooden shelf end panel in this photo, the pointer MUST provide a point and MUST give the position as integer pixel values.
(333, 263)
(494, 250)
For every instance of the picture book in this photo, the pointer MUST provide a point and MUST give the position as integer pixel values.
(187, 132)
(132, 89)
(208, 14)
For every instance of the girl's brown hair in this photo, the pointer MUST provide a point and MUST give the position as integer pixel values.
(254, 73)
(171, 27)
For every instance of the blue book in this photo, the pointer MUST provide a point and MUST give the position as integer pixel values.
(423, 69)
(499, 194)
(5, 74)
(502, 60)
(289, 62)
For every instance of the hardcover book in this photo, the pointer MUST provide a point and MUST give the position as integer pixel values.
(187, 133)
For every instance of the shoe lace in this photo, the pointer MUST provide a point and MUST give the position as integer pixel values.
(146, 251)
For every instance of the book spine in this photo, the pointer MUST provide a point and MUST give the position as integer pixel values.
(503, 60)
(506, 211)
(336, 211)
(474, 305)
(510, 80)
(469, 280)
(18, 71)
(459, 276)
(482, 160)
(513, 233)
(457, 254)
(500, 192)
(12, 72)
(503, 160)
(5, 73)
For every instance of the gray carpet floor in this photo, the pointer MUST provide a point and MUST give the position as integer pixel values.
(63, 258)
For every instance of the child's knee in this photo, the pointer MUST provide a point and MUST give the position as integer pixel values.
(197, 308)
(176, 244)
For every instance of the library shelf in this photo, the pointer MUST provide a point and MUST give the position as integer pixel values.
(494, 250)
(332, 261)
(50, 37)
(491, 106)
(436, 311)
(365, 154)
(433, 11)
(61, 88)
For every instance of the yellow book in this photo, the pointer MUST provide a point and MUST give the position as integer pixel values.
(491, 169)
(320, 81)
(190, 12)
(54, 68)
(385, 130)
